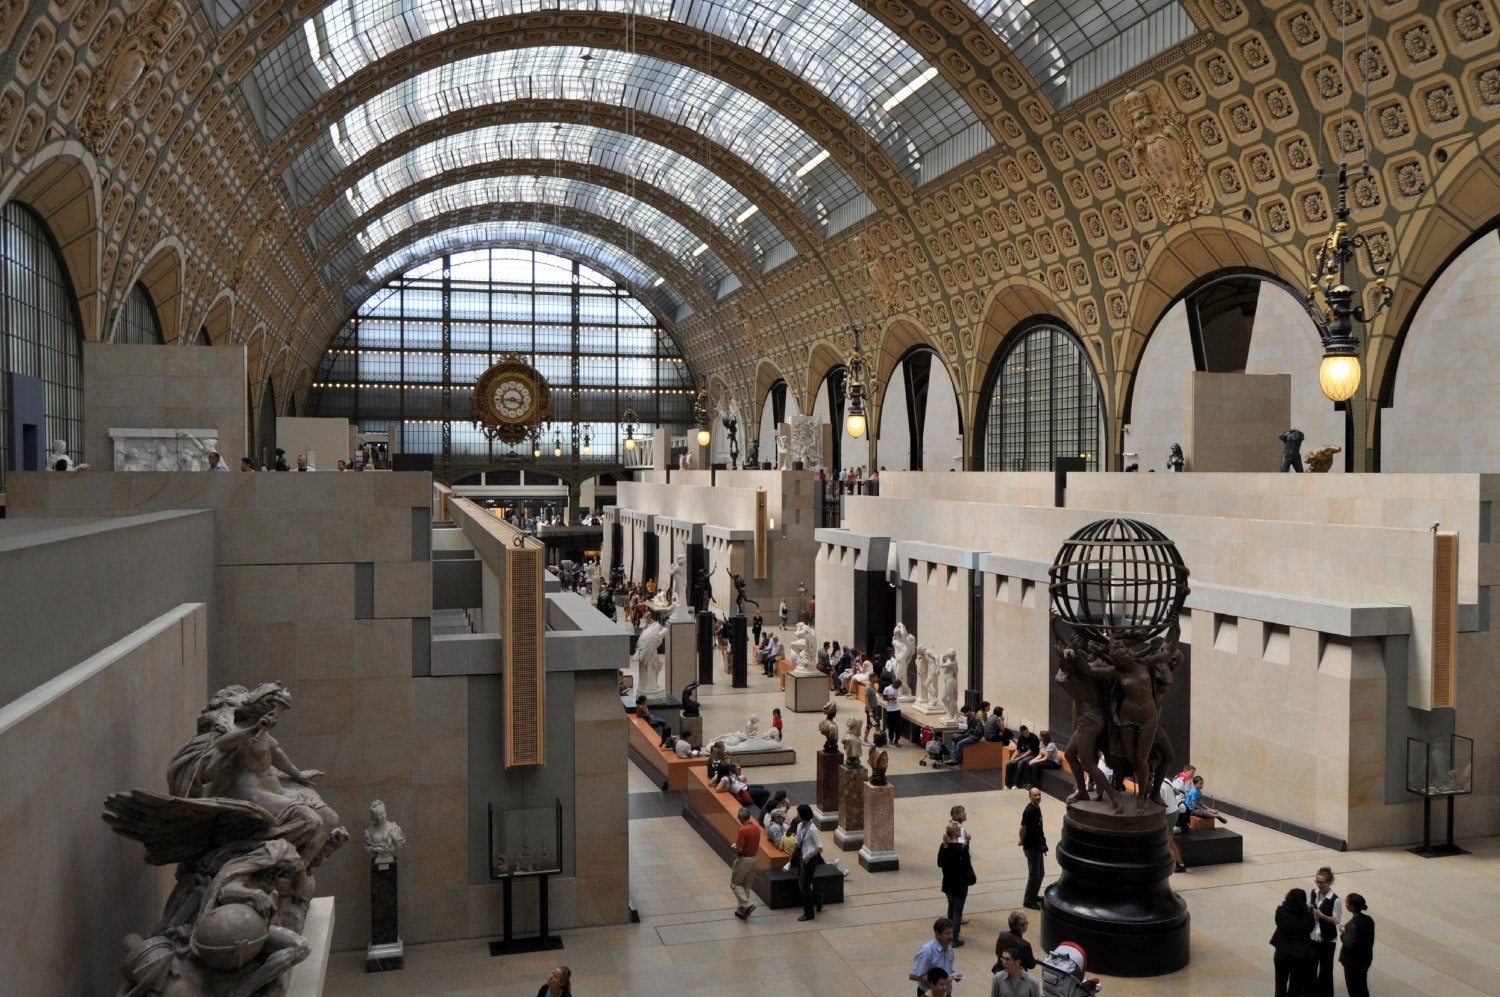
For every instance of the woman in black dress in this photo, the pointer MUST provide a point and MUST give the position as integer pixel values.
(1293, 943)
(958, 875)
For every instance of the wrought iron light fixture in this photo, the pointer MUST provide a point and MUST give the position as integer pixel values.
(1330, 298)
(556, 442)
(857, 385)
(703, 407)
(629, 418)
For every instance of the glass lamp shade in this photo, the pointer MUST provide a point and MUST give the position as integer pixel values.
(855, 424)
(703, 437)
(588, 451)
(1339, 377)
(536, 451)
(557, 451)
(630, 443)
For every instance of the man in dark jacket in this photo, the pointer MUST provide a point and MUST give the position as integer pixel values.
(1012, 939)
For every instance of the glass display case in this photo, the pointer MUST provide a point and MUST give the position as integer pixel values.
(525, 841)
(1443, 767)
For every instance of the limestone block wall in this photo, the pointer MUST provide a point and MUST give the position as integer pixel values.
(839, 556)
(1016, 640)
(135, 386)
(1231, 420)
(73, 888)
(942, 585)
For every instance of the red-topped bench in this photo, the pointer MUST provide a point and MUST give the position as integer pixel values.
(670, 771)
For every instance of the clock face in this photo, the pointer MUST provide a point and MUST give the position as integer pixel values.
(512, 399)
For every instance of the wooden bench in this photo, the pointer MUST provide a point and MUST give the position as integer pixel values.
(986, 755)
(714, 814)
(670, 771)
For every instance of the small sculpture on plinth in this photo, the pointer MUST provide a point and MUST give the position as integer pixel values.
(830, 729)
(1175, 460)
(948, 673)
(1291, 450)
(690, 707)
(853, 746)
(647, 659)
(58, 459)
(739, 593)
(879, 760)
(1320, 460)
(383, 838)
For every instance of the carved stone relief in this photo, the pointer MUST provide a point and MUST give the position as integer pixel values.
(1171, 169)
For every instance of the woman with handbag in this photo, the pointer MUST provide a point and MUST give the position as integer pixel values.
(958, 875)
(807, 857)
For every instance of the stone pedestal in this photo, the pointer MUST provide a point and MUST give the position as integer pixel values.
(1114, 895)
(738, 656)
(878, 854)
(386, 951)
(682, 655)
(706, 649)
(850, 833)
(692, 729)
(806, 693)
(826, 809)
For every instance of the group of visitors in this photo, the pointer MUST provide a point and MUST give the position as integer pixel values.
(1309, 925)
(1035, 753)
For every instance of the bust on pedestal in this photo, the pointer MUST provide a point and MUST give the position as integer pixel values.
(383, 838)
(850, 833)
(878, 853)
(826, 810)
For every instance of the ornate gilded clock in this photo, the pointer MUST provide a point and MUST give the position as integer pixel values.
(510, 398)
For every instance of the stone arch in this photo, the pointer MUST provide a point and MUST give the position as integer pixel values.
(220, 318)
(162, 276)
(900, 336)
(60, 184)
(1008, 305)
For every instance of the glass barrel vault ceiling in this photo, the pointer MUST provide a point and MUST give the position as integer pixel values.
(837, 48)
(772, 144)
(603, 256)
(542, 191)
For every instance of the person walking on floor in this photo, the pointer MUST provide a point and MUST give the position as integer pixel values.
(958, 875)
(742, 873)
(1359, 947)
(1033, 842)
(782, 611)
(807, 857)
(937, 953)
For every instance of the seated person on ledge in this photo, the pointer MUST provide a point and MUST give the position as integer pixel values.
(644, 712)
(1047, 756)
(972, 732)
(1195, 805)
(733, 782)
(1027, 745)
(994, 727)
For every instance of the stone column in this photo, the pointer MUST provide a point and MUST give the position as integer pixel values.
(738, 653)
(878, 853)
(706, 648)
(826, 810)
(386, 951)
(850, 833)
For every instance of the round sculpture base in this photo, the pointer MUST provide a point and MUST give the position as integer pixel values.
(1114, 896)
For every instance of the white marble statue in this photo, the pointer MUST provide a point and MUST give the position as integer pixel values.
(192, 453)
(802, 445)
(804, 650)
(948, 673)
(591, 579)
(647, 659)
(903, 649)
(679, 589)
(748, 738)
(927, 679)
(58, 459)
(383, 838)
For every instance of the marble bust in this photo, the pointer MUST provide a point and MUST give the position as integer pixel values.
(383, 838)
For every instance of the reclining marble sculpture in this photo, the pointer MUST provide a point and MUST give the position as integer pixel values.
(245, 828)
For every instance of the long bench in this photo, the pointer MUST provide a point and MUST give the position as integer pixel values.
(714, 814)
(670, 771)
(986, 755)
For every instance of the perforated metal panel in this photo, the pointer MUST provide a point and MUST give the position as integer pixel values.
(1444, 618)
(525, 672)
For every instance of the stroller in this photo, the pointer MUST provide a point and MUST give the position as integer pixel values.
(934, 750)
(1062, 973)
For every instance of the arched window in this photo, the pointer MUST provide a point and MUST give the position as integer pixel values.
(140, 324)
(40, 333)
(1044, 403)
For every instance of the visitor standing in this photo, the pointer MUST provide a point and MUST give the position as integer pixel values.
(1328, 914)
(742, 873)
(1292, 941)
(1012, 980)
(807, 857)
(559, 983)
(1033, 842)
(958, 875)
(935, 954)
(782, 610)
(1359, 947)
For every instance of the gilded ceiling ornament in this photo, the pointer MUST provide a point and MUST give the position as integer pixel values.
(1049, 195)
(1298, 154)
(1346, 12)
(1314, 207)
(1171, 170)
(1108, 266)
(1329, 81)
(111, 96)
(1392, 118)
(1278, 103)
(1104, 127)
(1253, 51)
(1218, 71)
(1278, 221)
(1487, 85)
(1371, 62)
(1303, 29)
(1418, 43)
(1366, 192)
(1261, 167)
(1208, 132)
(1441, 103)
(1471, 22)
(1350, 136)
(1090, 313)
(1227, 10)
(1132, 259)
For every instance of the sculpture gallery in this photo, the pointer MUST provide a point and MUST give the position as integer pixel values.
(245, 828)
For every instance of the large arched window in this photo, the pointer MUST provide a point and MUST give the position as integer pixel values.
(39, 331)
(1044, 404)
(599, 347)
(140, 323)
